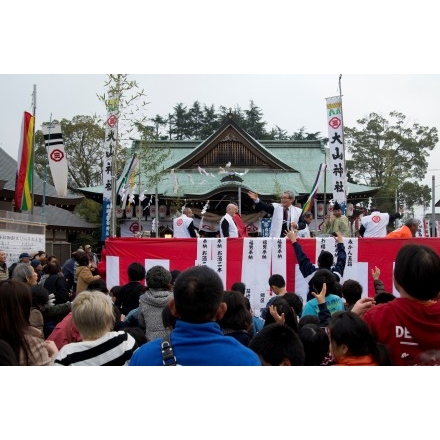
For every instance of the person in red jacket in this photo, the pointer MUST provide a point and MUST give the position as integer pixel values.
(410, 325)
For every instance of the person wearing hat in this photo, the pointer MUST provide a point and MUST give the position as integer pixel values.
(336, 222)
(36, 264)
(92, 257)
(24, 257)
(40, 256)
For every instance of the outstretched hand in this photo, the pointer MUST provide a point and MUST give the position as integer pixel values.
(279, 319)
(375, 273)
(320, 297)
(339, 237)
(252, 195)
(291, 235)
(362, 305)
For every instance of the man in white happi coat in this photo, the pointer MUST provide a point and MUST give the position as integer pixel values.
(285, 215)
(228, 228)
(183, 226)
(375, 224)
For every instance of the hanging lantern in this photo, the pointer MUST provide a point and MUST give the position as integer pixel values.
(139, 211)
(129, 211)
(153, 211)
(162, 211)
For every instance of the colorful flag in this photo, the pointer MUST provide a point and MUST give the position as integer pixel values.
(53, 140)
(24, 177)
(308, 206)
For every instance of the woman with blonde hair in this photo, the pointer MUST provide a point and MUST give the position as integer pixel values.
(93, 316)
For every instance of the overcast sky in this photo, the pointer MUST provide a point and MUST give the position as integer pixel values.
(289, 101)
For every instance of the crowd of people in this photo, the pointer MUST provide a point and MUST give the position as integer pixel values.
(65, 315)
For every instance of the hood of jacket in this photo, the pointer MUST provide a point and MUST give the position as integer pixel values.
(157, 298)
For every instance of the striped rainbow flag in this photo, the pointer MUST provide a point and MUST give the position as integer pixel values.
(24, 177)
(308, 206)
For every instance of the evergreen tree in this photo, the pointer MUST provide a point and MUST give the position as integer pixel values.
(391, 155)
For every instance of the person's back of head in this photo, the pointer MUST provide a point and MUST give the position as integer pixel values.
(295, 301)
(316, 343)
(337, 288)
(98, 284)
(168, 319)
(239, 287)
(158, 278)
(351, 336)
(198, 294)
(237, 315)
(351, 292)
(136, 272)
(40, 295)
(308, 319)
(174, 274)
(325, 260)
(322, 276)
(52, 268)
(417, 271)
(138, 335)
(282, 306)
(277, 280)
(114, 292)
(384, 297)
(92, 314)
(278, 344)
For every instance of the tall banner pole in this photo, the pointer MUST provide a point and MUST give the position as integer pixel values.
(109, 168)
(34, 111)
(43, 208)
(337, 150)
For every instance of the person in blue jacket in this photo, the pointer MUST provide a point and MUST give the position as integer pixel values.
(325, 259)
(197, 339)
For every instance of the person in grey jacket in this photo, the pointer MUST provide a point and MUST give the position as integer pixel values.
(153, 301)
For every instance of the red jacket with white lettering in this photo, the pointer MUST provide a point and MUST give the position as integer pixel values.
(409, 328)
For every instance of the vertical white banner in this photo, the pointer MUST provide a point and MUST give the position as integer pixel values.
(219, 257)
(279, 256)
(204, 252)
(53, 140)
(256, 263)
(111, 132)
(337, 150)
(112, 271)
